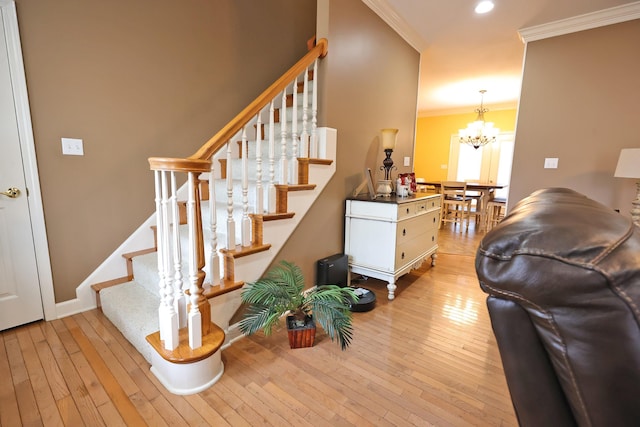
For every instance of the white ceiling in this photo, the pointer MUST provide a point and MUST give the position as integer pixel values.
(462, 52)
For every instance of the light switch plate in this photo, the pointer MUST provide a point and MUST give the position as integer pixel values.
(407, 161)
(72, 147)
(551, 163)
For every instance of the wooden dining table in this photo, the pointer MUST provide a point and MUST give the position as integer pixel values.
(484, 188)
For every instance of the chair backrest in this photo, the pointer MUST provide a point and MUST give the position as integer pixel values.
(454, 190)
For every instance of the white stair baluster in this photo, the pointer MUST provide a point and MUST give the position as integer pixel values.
(315, 150)
(304, 137)
(271, 196)
(194, 322)
(245, 225)
(284, 178)
(259, 208)
(231, 224)
(160, 252)
(168, 320)
(179, 298)
(214, 259)
(293, 177)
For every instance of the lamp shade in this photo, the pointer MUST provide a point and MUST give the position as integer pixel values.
(389, 138)
(628, 163)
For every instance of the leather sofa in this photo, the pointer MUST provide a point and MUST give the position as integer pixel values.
(563, 277)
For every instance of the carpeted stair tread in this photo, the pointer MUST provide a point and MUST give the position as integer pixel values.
(134, 311)
(145, 272)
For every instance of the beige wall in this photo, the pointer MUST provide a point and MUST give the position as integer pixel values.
(370, 82)
(136, 79)
(580, 102)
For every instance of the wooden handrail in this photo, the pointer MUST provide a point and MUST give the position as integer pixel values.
(227, 132)
(179, 165)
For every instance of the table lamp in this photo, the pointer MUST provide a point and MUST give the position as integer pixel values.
(388, 144)
(629, 167)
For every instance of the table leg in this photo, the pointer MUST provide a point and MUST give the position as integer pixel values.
(482, 205)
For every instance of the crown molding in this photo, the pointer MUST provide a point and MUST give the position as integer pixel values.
(614, 15)
(389, 15)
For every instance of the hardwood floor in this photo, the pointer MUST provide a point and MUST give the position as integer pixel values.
(427, 358)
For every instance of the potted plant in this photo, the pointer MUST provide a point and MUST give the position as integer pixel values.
(281, 292)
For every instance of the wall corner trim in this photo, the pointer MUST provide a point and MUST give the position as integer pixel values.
(388, 15)
(614, 15)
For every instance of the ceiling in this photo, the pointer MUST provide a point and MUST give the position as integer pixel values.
(463, 52)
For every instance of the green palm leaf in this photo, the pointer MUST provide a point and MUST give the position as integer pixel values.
(330, 306)
(280, 291)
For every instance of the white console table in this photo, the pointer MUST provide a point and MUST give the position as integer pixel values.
(388, 237)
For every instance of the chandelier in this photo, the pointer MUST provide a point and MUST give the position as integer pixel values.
(479, 132)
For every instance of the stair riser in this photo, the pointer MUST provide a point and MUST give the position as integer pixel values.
(236, 170)
(264, 143)
(265, 117)
(221, 195)
(145, 267)
(277, 114)
(270, 174)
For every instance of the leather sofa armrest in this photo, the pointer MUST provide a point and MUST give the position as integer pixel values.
(537, 396)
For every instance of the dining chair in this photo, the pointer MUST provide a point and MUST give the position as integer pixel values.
(456, 205)
(495, 211)
(424, 188)
(476, 202)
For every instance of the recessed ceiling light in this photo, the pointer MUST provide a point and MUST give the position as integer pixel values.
(484, 7)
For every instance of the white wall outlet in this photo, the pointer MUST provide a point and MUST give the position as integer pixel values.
(407, 161)
(72, 147)
(551, 163)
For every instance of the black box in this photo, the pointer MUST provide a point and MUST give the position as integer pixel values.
(333, 270)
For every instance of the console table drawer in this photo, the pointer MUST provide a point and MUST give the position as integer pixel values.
(413, 227)
(406, 210)
(414, 248)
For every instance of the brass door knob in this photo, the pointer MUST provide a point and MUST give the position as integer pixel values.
(11, 192)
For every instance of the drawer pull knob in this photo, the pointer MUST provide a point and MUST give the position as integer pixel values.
(407, 210)
(404, 231)
(433, 238)
(402, 255)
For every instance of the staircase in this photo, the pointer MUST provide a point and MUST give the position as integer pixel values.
(246, 190)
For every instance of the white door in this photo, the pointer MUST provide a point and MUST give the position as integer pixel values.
(20, 298)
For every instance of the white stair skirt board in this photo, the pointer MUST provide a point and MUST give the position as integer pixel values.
(187, 378)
